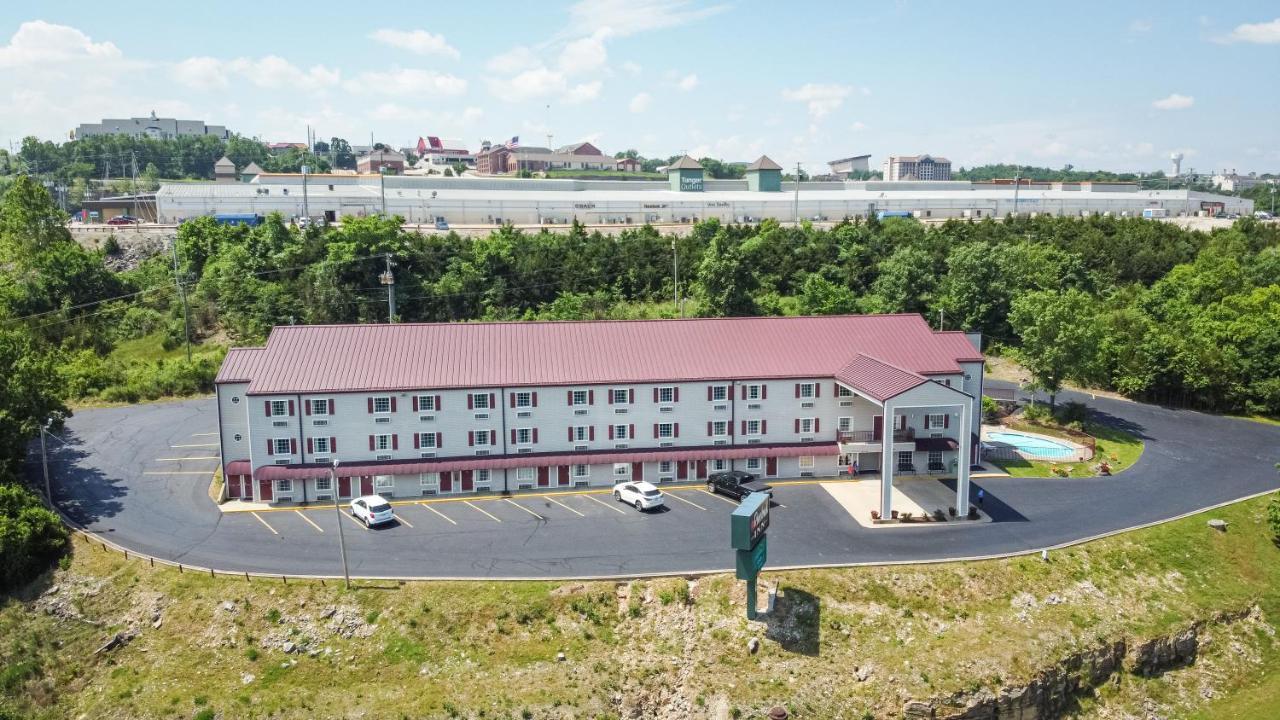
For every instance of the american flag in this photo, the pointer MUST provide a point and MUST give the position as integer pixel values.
(514, 141)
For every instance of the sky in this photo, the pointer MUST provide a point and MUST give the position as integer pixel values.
(1106, 85)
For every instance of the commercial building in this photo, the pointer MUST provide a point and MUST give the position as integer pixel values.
(1234, 182)
(512, 159)
(152, 127)
(916, 167)
(436, 409)
(538, 201)
(383, 160)
(845, 167)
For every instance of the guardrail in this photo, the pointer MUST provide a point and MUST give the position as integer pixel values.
(866, 436)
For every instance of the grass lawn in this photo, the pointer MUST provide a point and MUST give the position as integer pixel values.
(1123, 446)
(151, 348)
(665, 648)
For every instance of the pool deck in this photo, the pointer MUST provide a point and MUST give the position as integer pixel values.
(1079, 453)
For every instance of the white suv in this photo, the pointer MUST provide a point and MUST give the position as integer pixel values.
(372, 510)
(643, 495)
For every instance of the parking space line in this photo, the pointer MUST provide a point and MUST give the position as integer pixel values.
(353, 519)
(674, 496)
(264, 522)
(477, 509)
(190, 445)
(446, 517)
(406, 522)
(614, 508)
(718, 497)
(194, 457)
(566, 507)
(513, 502)
(304, 517)
(203, 434)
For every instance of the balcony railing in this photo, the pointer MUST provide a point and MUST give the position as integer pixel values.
(868, 436)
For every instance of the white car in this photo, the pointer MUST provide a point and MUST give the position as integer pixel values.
(642, 495)
(372, 510)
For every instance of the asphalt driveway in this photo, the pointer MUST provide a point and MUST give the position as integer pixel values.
(139, 475)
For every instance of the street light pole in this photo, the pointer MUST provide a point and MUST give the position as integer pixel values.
(182, 295)
(796, 202)
(342, 538)
(388, 278)
(675, 277)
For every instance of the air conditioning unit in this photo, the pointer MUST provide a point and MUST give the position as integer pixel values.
(521, 451)
(285, 498)
(666, 478)
(282, 462)
(426, 418)
(619, 411)
(580, 447)
(319, 422)
(328, 496)
(805, 439)
(384, 457)
(279, 423)
(427, 455)
(808, 404)
(666, 444)
(846, 403)
(753, 406)
(580, 411)
(581, 483)
(806, 473)
(524, 414)
(666, 408)
(721, 407)
(719, 442)
(482, 416)
(753, 441)
(320, 459)
(428, 491)
(524, 486)
(382, 420)
(620, 446)
(482, 452)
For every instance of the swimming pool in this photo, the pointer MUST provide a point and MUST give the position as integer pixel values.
(1032, 445)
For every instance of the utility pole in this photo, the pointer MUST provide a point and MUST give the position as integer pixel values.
(382, 188)
(44, 463)
(306, 209)
(133, 157)
(342, 538)
(675, 277)
(796, 202)
(182, 295)
(388, 278)
(1017, 183)
(942, 318)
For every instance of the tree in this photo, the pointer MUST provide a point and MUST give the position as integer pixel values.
(1059, 341)
(343, 157)
(724, 284)
(31, 537)
(823, 297)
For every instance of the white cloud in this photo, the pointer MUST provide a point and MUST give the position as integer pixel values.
(857, 126)
(632, 69)
(408, 81)
(419, 42)
(534, 83)
(1263, 33)
(628, 17)
(1174, 102)
(584, 54)
(271, 71)
(39, 42)
(1140, 25)
(640, 102)
(688, 82)
(202, 73)
(583, 92)
(517, 59)
(820, 99)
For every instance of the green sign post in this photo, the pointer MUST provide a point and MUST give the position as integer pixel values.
(748, 526)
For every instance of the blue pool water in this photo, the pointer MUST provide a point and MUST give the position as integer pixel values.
(1032, 445)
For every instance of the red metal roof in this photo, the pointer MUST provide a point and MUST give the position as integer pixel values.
(412, 467)
(352, 358)
(878, 378)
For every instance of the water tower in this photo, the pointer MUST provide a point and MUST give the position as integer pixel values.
(1177, 163)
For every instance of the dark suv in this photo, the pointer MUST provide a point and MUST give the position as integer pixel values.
(737, 484)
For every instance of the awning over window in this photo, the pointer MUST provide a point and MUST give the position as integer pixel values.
(413, 467)
(238, 467)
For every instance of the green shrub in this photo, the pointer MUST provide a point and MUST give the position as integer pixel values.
(1073, 412)
(111, 246)
(990, 410)
(138, 321)
(1037, 413)
(31, 537)
(1273, 517)
(174, 333)
(87, 373)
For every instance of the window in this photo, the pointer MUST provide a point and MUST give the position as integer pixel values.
(279, 408)
(429, 480)
(719, 393)
(621, 469)
(806, 462)
(319, 407)
(381, 442)
(666, 431)
(480, 437)
(281, 446)
(844, 424)
(807, 391)
(480, 401)
(620, 432)
(753, 392)
(621, 396)
(524, 399)
(753, 463)
(666, 394)
(719, 465)
(579, 433)
(935, 459)
(580, 471)
(426, 403)
(284, 486)
(842, 391)
(384, 482)
(934, 420)
(664, 466)
(720, 428)
(324, 484)
(578, 397)
(482, 476)
(321, 445)
(524, 474)
(753, 427)
(806, 424)
(382, 404)
(524, 436)
(904, 459)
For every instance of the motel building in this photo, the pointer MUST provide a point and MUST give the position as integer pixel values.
(413, 410)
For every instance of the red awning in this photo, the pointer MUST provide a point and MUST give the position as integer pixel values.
(413, 467)
(239, 467)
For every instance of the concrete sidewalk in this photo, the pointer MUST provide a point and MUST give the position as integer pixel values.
(918, 496)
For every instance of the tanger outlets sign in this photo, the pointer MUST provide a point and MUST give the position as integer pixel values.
(690, 184)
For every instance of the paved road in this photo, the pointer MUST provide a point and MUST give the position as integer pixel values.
(139, 475)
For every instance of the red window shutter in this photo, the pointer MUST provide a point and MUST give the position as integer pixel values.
(610, 398)
(764, 392)
(797, 389)
(744, 427)
(729, 427)
(513, 399)
(330, 406)
(797, 424)
(417, 441)
(415, 403)
(675, 394)
(535, 436)
(568, 397)
(266, 407)
(471, 438)
(439, 440)
(307, 407)
(708, 392)
(393, 403)
(309, 446)
(535, 399)
(493, 400)
(438, 398)
(709, 428)
(591, 397)
(817, 390)
(764, 427)
(631, 396)
(655, 430)
(471, 402)
(835, 389)
(271, 447)
(744, 392)
(493, 437)
(946, 420)
(291, 408)
(513, 436)
(570, 429)
(370, 404)
(591, 433)
(675, 430)
(395, 441)
(817, 424)
(611, 432)
(655, 394)
(904, 421)
(293, 446)
(370, 442)
(333, 444)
